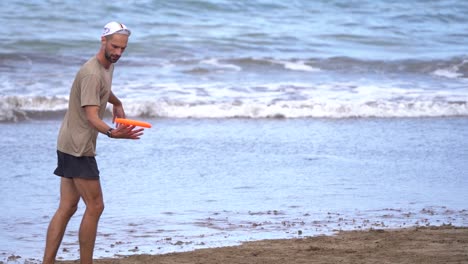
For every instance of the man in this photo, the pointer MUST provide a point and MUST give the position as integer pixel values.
(76, 144)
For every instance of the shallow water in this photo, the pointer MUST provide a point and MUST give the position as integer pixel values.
(256, 59)
(200, 183)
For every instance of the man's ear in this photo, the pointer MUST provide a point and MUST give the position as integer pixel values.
(103, 40)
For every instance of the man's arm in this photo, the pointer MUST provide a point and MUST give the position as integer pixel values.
(113, 99)
(117, 109)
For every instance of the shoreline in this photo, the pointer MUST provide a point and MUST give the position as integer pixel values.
(433, 244)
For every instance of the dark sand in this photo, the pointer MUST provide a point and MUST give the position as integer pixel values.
(445, 244)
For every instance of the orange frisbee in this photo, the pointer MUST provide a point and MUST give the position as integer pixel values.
(131, 122)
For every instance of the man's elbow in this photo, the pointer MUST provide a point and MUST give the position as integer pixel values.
(92, 115)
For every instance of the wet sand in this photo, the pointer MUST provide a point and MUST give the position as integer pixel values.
(444, 244)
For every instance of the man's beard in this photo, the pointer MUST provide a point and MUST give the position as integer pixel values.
(110, 58)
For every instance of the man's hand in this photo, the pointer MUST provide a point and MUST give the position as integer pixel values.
(121, 131)
(128, 132)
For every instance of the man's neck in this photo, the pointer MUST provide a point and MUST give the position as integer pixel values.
(103, 61)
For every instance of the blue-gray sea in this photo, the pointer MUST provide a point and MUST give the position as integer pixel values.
(271, 119)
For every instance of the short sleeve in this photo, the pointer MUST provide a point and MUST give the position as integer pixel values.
(90, 90)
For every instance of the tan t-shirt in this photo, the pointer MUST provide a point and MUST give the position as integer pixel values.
(92, 86)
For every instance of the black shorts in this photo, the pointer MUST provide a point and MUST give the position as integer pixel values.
(69, 166)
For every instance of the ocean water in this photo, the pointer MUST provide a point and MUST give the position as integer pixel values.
(196, 183)
(271, 120)
(255, 59)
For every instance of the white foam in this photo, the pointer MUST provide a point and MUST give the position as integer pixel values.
(301, 109)
(13, 108)
(216, 63)
(448, 73)
(296, 66)
(452, 72)
(267, 100)
(300, 66)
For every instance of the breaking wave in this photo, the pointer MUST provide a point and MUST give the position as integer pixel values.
(14, 109)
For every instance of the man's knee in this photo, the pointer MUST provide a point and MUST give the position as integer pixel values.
(95, 207)
(68, 210)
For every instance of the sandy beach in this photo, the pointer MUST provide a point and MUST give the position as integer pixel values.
(274, 124)
(444, 244)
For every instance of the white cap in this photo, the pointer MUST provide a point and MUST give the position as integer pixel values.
(115, 27)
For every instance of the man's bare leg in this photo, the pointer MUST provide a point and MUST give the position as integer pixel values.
(91, 193)
(69, 199)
